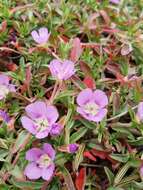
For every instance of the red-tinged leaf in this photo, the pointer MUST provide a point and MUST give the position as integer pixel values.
(110, 30)
(67, 178)
(10, 125)
(11, 66)
(107, 51)
(126, 49)
(99, 153)
(85, 68)
(23, 88)
(28, 74)
(21, 141)
(76, 50)
(92, 21)
(114, 68)
(18, 8)
(105, 16)
(80, 179)
(121, 78)
(31, 50)
(87, 154)
(89, 82)
(64, 38)
(3, 26)
(111, 160)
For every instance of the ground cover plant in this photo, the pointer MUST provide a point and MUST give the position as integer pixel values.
(71, 95)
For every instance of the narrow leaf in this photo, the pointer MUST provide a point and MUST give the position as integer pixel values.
(79, 157)
(80, 180)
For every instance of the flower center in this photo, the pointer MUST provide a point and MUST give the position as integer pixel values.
(91, 108)
(3, 91)
(42, 124)
(44, 161)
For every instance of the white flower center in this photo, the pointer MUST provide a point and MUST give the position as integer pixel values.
(3, 91)
(91, 108)
(42, 124)
(44, 161)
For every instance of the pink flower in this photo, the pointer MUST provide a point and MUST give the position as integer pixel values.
(5, 86)
(41, 36)
(141, 171)
(41, 120)
(92, 104)
(62, 70)
(4, 116)
(140, 112)
(115, 1)
(41, 162)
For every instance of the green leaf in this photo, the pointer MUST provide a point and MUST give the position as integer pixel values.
(115, 188)
(17, 172)
(67, 178)
(3, 154)
(61, 159)
(63, 94)
(88, 124)
(137, 185)
(110, 175)
(121, 173)
(123, 131)
(79, 157)
(27, 184)
(121, 158)
(77, 135)
(22, 138)
(137, 142)
(3, 143)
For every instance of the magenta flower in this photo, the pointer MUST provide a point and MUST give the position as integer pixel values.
(4, 116)
(42, 36)
(70, 148)
(41, 120)
(41, 162)
(62, 70)
(140, 112)
(92, 104)
(5, 86)
(115, 1)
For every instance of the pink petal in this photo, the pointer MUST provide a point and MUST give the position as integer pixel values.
(100, 98)
(47, 173)
(55, 67)
(36, 109)
(84, 114)
(140, 111)
(49, 150)
(52, 114)
(68, 69)
(44, 35)
(4, 79)
(141, 171)
(100, 115)
(33, 154)
(115, 1)
(43, 134)
(32, 171)
(84, 96)
(35, 36)
(28, 124)
(11, 88)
